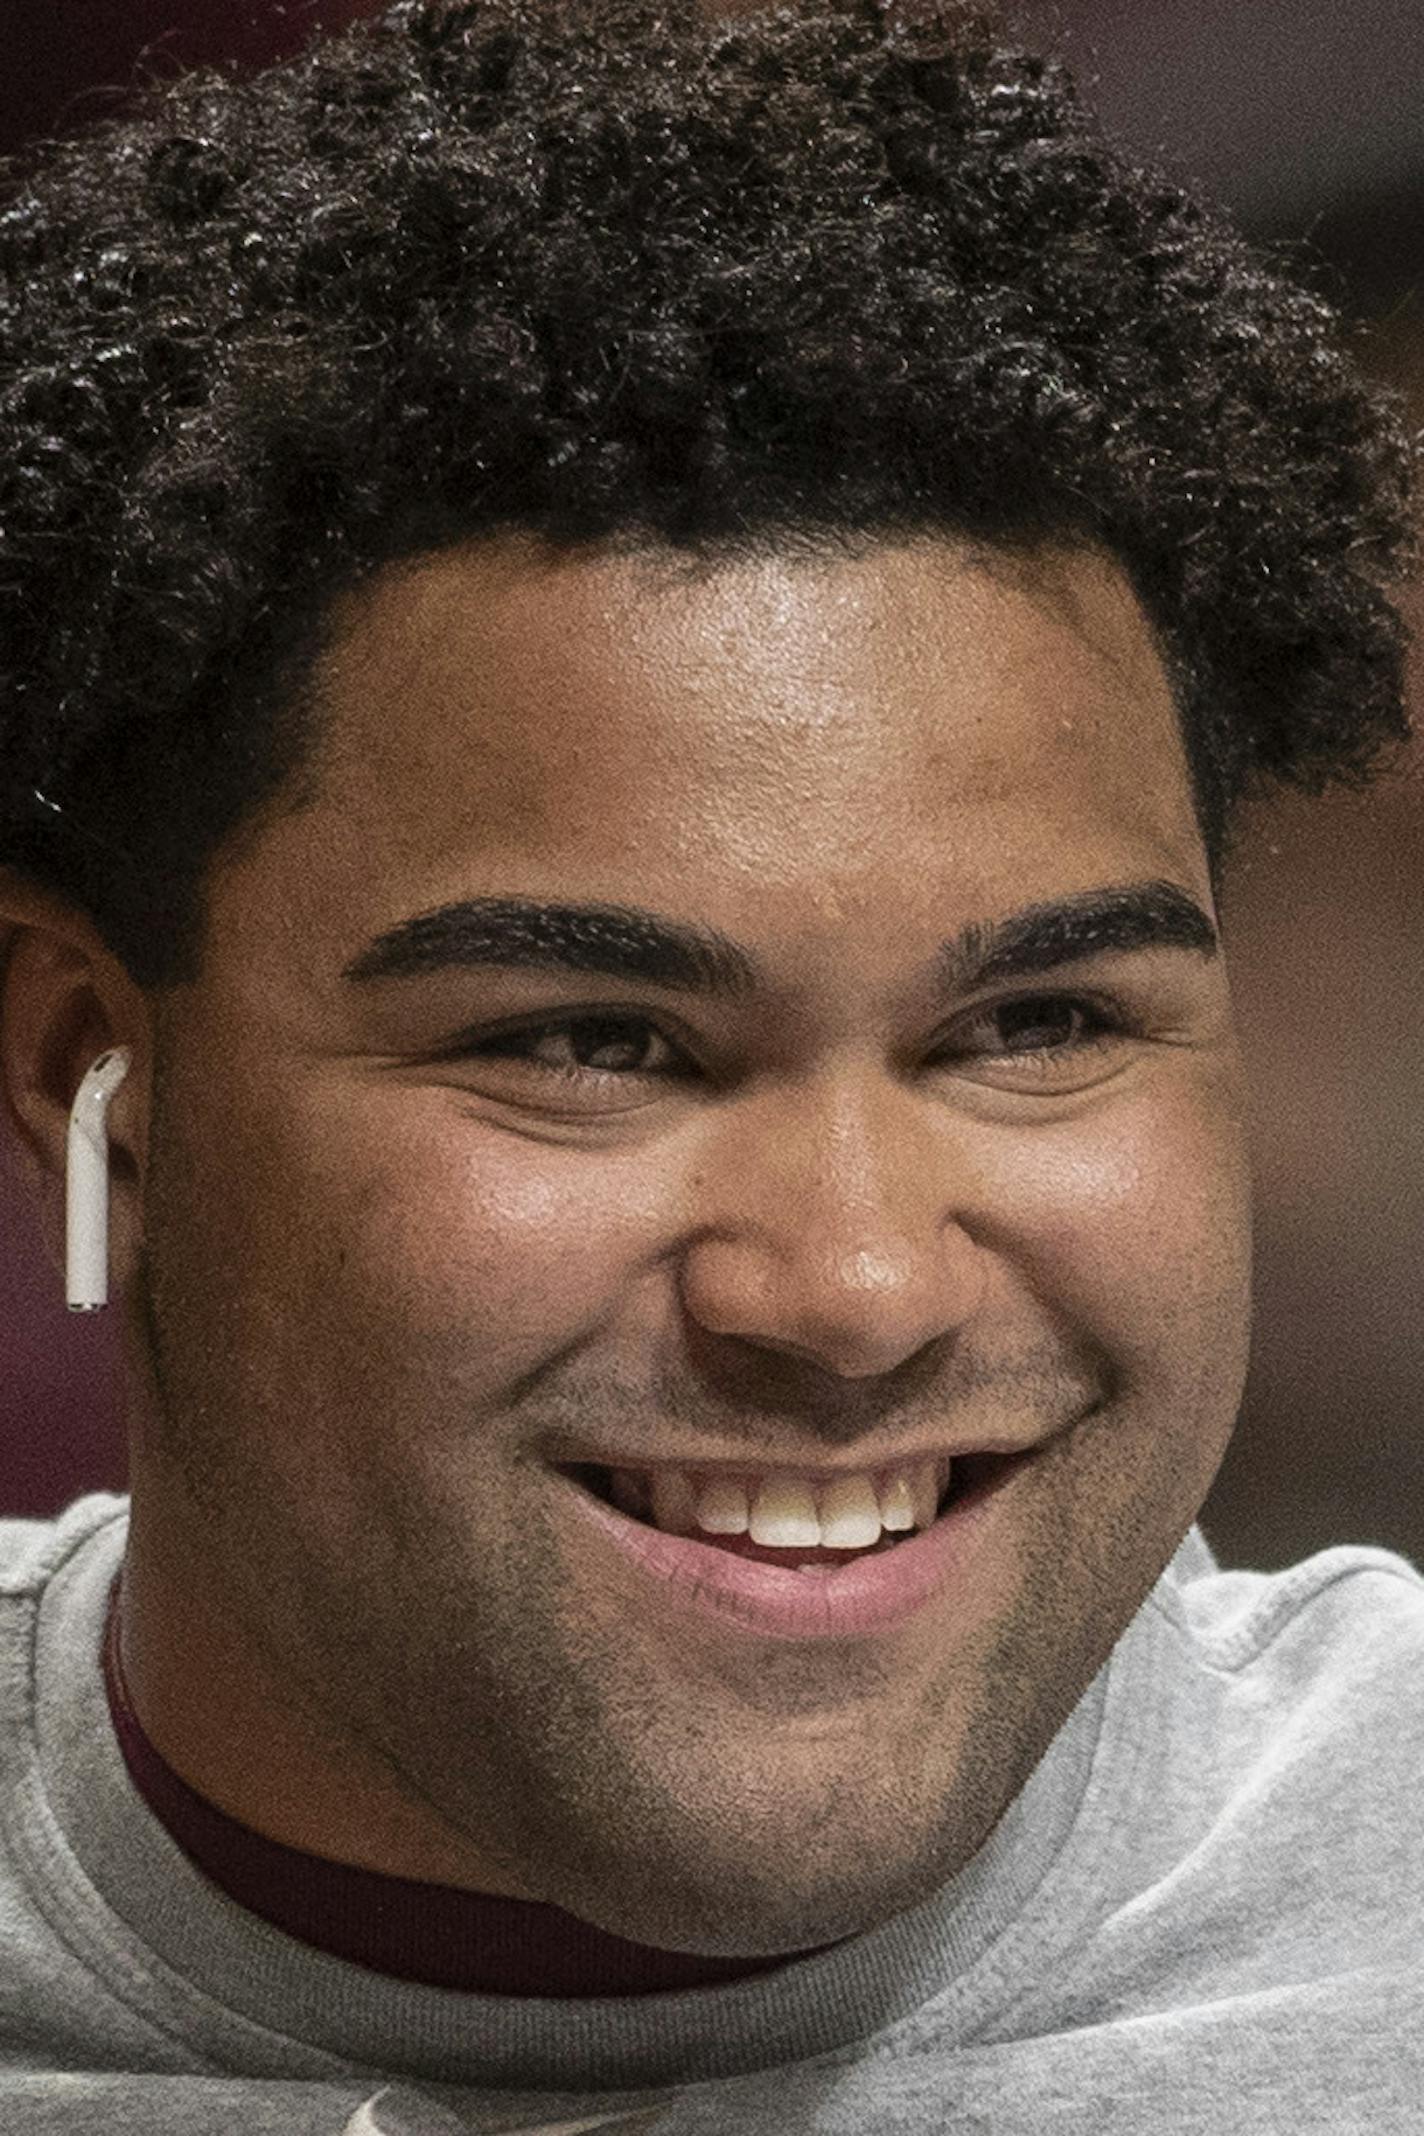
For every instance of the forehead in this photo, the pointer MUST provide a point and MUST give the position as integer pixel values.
(832, 758)
(505, 694)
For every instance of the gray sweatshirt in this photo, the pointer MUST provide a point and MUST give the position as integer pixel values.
(1203, 1913)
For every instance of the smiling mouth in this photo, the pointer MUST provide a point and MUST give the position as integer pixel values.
(971, 1476)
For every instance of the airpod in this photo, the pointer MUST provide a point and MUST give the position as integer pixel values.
(87, 1183)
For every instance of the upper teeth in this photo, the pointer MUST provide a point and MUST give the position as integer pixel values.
(786, 1512)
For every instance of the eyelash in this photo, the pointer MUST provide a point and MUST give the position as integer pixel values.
(1101, 1025)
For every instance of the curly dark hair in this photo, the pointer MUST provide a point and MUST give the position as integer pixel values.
(621, 272)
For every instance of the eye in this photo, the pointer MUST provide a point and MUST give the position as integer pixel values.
(579, 1049)
(1042, 1035)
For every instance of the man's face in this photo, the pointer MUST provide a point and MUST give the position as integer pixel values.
(398, 1265)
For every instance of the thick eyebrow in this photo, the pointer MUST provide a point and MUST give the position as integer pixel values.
(628, 942)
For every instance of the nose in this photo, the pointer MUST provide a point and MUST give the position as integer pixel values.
(835, 1226)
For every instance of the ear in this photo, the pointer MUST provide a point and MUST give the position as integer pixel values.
(64, 1000)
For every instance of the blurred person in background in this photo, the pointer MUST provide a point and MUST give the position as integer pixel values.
(632, 646)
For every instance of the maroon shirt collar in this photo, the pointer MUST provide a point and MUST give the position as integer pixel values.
(434, 1934)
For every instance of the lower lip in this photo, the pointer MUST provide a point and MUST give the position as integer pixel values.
(866, 1595)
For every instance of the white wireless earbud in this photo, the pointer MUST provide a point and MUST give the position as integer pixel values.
(87, 1183)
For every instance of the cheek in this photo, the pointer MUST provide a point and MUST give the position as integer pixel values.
(479, 1247)
(1136, 1223)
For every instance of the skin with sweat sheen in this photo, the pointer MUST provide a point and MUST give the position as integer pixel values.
(395, 1258)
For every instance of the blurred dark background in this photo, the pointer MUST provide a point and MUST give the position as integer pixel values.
(1307, 119)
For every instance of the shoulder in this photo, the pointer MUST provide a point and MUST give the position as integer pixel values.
(1265, 1863)
(1355, 1612)
(32, 1551)
(1304, 1723)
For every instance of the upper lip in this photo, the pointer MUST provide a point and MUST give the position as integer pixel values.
(791, 1464)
